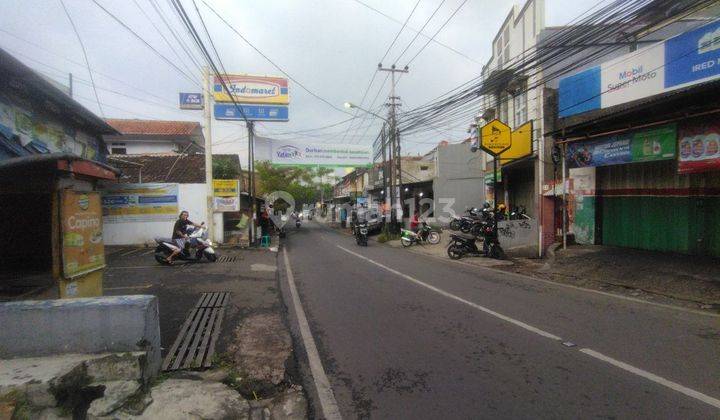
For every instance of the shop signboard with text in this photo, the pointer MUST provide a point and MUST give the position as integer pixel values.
(640, 146)
(151, 202)
(687, 59)
(226, 188)
(292, 153)
(248, 89)
(699, 146)
(191, 100)
(82, 240)
(252, 112)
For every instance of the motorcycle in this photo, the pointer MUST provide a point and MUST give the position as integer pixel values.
(462, 245)
(465, 223)
(519, 213)
(197, 239)
(491, 243)
(424, 234)
(297, 224)
(361, 234)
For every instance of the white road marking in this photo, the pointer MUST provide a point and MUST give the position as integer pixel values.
(570, 286)
(328, 404)
(654, 378)
(629, 368)
(520, 324)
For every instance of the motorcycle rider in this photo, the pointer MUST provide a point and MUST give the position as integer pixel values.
(179, 234)
(415, 221)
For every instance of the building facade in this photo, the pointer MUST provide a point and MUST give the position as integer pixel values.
(138, 137)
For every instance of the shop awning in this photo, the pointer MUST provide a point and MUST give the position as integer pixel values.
(57, 162)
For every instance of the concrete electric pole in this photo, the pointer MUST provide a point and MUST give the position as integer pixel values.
(394, 144)
(207, 133)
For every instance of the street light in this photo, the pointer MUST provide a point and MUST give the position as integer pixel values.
(350, 105)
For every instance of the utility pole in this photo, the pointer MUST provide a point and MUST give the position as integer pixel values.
(251, 180)
(395, 174)
(207, 133)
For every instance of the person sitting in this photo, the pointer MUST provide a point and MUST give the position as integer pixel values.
(179, 234)
(415, 221)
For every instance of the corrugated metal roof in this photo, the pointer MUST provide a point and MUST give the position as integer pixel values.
(154, 127)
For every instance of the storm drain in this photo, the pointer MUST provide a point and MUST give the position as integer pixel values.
(225, 258)
(195, 344)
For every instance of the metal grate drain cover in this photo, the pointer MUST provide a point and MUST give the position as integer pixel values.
(225, 258)
(195, 344)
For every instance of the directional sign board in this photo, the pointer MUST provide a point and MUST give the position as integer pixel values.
(252, 112)
(495, 137)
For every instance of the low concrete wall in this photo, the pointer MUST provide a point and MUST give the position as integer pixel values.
(518, 233)
(87, 325)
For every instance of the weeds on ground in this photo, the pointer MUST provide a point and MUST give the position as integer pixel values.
(386, 236)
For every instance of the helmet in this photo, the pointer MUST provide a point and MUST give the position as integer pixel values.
(486, 205)
(501, 207)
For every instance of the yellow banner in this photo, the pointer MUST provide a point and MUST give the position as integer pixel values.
(82, 241)
(226, 188)
(521, 144)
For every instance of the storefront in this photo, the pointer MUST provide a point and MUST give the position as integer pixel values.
(643, 158)
(51, 158)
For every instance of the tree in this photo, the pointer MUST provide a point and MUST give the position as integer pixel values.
(223, 168)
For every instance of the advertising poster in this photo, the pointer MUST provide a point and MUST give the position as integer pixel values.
(82, 241)
(226, 204)
(226, 188)
(699, 147)
(191, 100)
(640, 146)
(122, 203)
(250, 89)
(292, 153)
(687, 59)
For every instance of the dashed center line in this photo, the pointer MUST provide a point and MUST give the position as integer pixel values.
(598, 356)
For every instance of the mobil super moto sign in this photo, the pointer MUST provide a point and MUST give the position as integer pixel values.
(251, 89)
(687, 59)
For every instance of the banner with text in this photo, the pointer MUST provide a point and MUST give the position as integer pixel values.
(291, 153)
(640, 146)
(123, 203)
(82, 240)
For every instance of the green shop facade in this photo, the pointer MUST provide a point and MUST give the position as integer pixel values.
(643, 169)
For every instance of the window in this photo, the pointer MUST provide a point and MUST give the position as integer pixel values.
(118, 151)
(504, 109)
(520, 109)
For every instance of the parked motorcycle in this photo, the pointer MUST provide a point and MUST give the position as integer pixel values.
(424, 234)
(519, 213)
(197, 241)
(464, 223)
(461, 246)
(491, 243)
(361, 234)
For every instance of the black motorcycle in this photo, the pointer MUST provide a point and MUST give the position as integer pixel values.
(461, 246)
(464, 223)
(491, 243)
(361, 234)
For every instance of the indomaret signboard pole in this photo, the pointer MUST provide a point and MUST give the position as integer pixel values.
(251, 179)
(207, 133)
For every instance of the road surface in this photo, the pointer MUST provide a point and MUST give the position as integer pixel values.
(401, 335)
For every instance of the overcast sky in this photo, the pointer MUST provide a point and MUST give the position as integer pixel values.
(330, 46)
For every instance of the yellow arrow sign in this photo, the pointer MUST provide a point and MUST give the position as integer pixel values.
(495, 137)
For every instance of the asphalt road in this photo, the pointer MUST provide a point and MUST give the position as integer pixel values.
(401, 335)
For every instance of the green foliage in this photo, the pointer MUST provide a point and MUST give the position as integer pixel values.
(303, 183)
(224, 169)
(387, 236)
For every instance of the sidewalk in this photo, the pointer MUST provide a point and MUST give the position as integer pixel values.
(693, 279)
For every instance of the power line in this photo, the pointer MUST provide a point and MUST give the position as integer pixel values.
(164, 38)
(369, 86)
(280, 69)
(437, 32)
(420, 31)
(415, 30)
(87, 62)
(147, 44)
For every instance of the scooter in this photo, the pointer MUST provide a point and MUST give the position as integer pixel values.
(424, 234)
(197, 239)
(297, 223)
(361, 234)
(461, 246)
